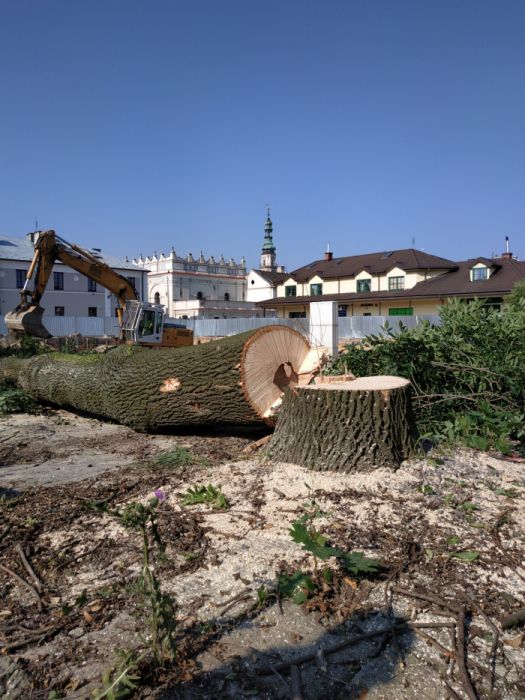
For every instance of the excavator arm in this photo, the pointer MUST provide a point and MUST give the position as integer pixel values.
(50, 248)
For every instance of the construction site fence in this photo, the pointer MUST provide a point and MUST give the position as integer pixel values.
(349, 327)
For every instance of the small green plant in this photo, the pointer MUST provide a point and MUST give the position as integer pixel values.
(315, 543)
(176, 458)
(466, 555)
(212, 495)
(298, 586)
(142, 518)
(121, 681)
(14, 400)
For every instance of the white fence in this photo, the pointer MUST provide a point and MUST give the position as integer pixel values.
(349, 326)
(61, 326)
(361, 326)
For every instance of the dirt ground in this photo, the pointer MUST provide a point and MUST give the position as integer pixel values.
(448, 531)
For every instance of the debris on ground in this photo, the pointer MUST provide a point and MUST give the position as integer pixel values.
(440, 615)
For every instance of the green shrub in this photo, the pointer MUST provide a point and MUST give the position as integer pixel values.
(14, 400)
(468, 373)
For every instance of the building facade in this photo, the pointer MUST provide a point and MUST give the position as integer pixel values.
(393, 283)
(68, 292)
(198, 288)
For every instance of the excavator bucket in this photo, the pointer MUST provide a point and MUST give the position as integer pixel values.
(27, 319)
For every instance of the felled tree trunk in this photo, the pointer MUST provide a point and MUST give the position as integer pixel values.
(351, 426)
(235, 381)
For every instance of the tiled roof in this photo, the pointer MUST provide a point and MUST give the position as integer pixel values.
(272, 277)
(12, 248)
(375, 263)
(456, 282)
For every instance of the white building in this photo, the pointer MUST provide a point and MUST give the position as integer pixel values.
(198, 288)
(68, 292)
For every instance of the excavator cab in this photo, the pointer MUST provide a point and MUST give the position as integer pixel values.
(143, 323)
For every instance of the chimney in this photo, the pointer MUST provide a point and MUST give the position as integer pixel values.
(328, 254)
(507, 254)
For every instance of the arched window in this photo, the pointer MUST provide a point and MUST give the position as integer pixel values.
(199, 295)
(157, 298)
(226, 296)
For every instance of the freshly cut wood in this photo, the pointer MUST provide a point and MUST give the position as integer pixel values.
(235, 381)
(350, 426)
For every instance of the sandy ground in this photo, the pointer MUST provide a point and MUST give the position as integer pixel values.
(451, 526)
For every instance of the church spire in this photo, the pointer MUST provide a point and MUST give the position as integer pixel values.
(268, 253)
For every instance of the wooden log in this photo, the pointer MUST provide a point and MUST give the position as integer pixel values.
(235, 381)
(354, 426)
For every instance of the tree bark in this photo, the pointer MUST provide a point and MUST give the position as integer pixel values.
(230, 382)
(353, 426)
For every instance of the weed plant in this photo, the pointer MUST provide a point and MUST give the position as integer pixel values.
(160, 645)
(14, 400)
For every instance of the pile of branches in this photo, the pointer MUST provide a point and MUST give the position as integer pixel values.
(468, 372)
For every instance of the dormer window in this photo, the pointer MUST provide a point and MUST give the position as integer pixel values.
(364, 285)
(479, 273)
(316, 290)
(396, 283)
(290, 290)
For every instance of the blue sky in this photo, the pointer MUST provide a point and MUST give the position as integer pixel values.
(365, 124)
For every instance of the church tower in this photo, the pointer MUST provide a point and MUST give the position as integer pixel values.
(268, 254)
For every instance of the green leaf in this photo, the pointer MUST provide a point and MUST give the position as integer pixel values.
(313, 541)
(299, 586)
(453, 540)
(468, 555)
(357, 563)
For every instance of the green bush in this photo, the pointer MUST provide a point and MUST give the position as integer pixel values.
(13, 400)
(468, 373)
(26, 347)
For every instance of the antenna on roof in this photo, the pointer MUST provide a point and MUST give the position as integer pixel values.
(328, 247)
(413, 241)
(507, 244)
(36, 224)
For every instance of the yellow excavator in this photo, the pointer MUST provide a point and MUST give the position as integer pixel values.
(141, 323)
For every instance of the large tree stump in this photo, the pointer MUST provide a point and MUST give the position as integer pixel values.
(236, 381)
(351, 426)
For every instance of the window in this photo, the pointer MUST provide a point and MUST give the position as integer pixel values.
(403, 311)
(290, 290)
(92, 311)
(59, 310)
(58, 281)
(157, 298)
(92, 285)
(342, 310)
(316, 290)
(199, 295)
(364, 285)
(133, 282)
(158, 323)
(20, 278)
(147, 323)
(226, 296)
(479, 273)
(396, 283)
(297, 314)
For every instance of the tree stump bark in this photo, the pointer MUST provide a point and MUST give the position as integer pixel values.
(352, 426)
(234, 381)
